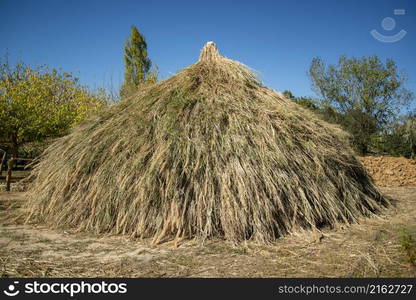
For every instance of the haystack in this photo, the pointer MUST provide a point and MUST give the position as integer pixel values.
(207, 152)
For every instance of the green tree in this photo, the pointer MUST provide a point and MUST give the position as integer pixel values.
(410, 134)
(288, 94)
(307, 102)
(37, 104)
(363, 94)
(401, 139)
(137, 64)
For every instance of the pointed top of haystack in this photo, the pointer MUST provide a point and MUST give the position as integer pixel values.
(209, 52)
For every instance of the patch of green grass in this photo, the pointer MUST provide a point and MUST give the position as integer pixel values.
(241, 251)
(408, 243)
(184, 260)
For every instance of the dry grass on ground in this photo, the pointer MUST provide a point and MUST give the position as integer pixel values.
(370, 249)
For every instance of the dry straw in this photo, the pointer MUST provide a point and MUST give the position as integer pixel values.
(207, 152)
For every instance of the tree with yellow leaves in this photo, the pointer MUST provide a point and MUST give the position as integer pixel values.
(39, 103)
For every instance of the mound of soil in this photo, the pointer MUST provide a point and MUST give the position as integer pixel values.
(390, 171)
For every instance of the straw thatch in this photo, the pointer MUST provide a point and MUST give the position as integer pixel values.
(207, 152)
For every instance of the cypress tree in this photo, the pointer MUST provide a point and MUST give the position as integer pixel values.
(136, 62)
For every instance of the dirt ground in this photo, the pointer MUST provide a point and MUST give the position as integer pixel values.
(373, 248)
(391, 171)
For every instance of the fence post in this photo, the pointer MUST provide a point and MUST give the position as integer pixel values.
(10, 164)
(2, 161)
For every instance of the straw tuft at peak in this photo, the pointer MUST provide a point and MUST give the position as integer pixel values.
(209, 52)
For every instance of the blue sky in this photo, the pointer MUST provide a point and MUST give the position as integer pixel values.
(276, 38)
